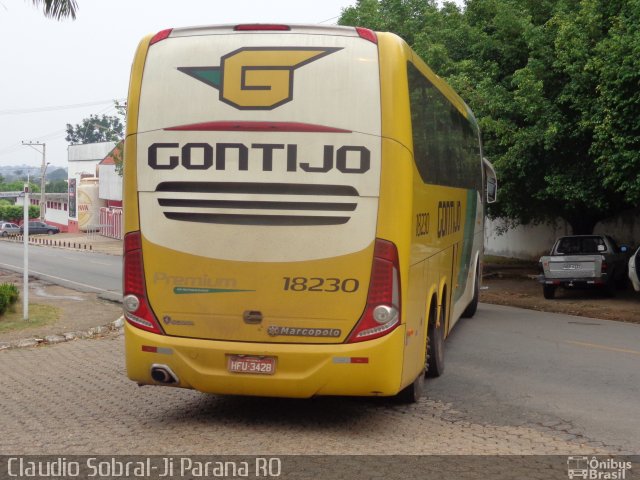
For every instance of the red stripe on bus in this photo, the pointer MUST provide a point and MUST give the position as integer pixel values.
(257, 127)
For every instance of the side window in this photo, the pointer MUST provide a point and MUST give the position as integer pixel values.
(445, 144)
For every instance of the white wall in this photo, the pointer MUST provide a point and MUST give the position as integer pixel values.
(59, 217)
(110, 183)
(625, 228)
(529, 242)
(524, 241)
(85, 158)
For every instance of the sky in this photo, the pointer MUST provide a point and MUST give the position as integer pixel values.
(48, 68)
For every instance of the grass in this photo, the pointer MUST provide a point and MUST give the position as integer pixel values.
(39, 315)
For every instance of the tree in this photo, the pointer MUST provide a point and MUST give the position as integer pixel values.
(58, 9)
(57, 186)
(96, 129)
(554, 85)
(616, 142)
(17, 186)
(15, 213)
(57, 174)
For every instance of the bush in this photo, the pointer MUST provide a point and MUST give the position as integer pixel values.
(15, 213)
(8, 296)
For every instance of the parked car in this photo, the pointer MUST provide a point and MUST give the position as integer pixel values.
(8, 229)
(634, 270)
(40, 227)
(580, 261)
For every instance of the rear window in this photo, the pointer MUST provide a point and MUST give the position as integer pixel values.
(579, 245)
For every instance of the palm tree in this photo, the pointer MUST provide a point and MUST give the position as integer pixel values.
(58, 9)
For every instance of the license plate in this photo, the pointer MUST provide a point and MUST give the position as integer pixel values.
(250, 364)
(572, 266)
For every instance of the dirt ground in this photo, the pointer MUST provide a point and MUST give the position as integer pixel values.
(502, 285)
(517, 286)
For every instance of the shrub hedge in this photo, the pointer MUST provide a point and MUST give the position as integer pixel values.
(8, 296)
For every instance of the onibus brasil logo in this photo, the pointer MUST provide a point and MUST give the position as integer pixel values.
(595, 468)
(257, 78)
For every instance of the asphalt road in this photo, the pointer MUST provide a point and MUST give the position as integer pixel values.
(513, 366)
(80, 270)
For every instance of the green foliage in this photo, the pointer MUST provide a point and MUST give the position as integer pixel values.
(58, 9)
(616, 142)
(18, 186)
(34, 211)
(9, 295)
(96, 129)
(57, 186)
(57, 174)
(15, 213)
(118, 157)
(555, 87)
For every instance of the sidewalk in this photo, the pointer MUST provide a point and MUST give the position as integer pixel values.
(75, 241)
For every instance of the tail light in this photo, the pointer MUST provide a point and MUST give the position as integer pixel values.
(382, 313)
(367, 34)
(252, 27)
(161, 35)
(136, 307)
(604, 266)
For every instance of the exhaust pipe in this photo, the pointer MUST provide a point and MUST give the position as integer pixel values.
(163, 374)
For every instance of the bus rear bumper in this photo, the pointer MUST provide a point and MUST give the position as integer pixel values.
(372, 368)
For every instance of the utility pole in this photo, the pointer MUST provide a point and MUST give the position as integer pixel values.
(43, 170)
(25, 255)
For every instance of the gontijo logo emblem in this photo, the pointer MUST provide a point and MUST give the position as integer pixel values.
(257, 78)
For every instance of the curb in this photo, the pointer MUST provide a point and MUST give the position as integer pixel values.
(78, 246)
(117, 326)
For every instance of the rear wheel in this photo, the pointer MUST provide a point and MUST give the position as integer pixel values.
(549, 291)
(5, 234)
(50, 232)
(435, 345)
(413, 392)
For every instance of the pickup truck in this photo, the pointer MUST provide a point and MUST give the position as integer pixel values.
(582, 261)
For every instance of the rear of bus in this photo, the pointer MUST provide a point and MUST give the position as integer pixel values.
(252, 184)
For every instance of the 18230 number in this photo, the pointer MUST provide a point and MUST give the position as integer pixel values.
(317, 284)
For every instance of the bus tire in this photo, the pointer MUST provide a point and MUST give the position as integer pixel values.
(411, 393)
(470, 311)
(435, 345)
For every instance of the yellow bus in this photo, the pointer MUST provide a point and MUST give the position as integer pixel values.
(303, 212)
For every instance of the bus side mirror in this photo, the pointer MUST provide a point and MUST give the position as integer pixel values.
(491, 179)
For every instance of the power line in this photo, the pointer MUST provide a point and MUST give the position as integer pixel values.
(22, 111)
(328, 19)
(47, 136)
(10, 149)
